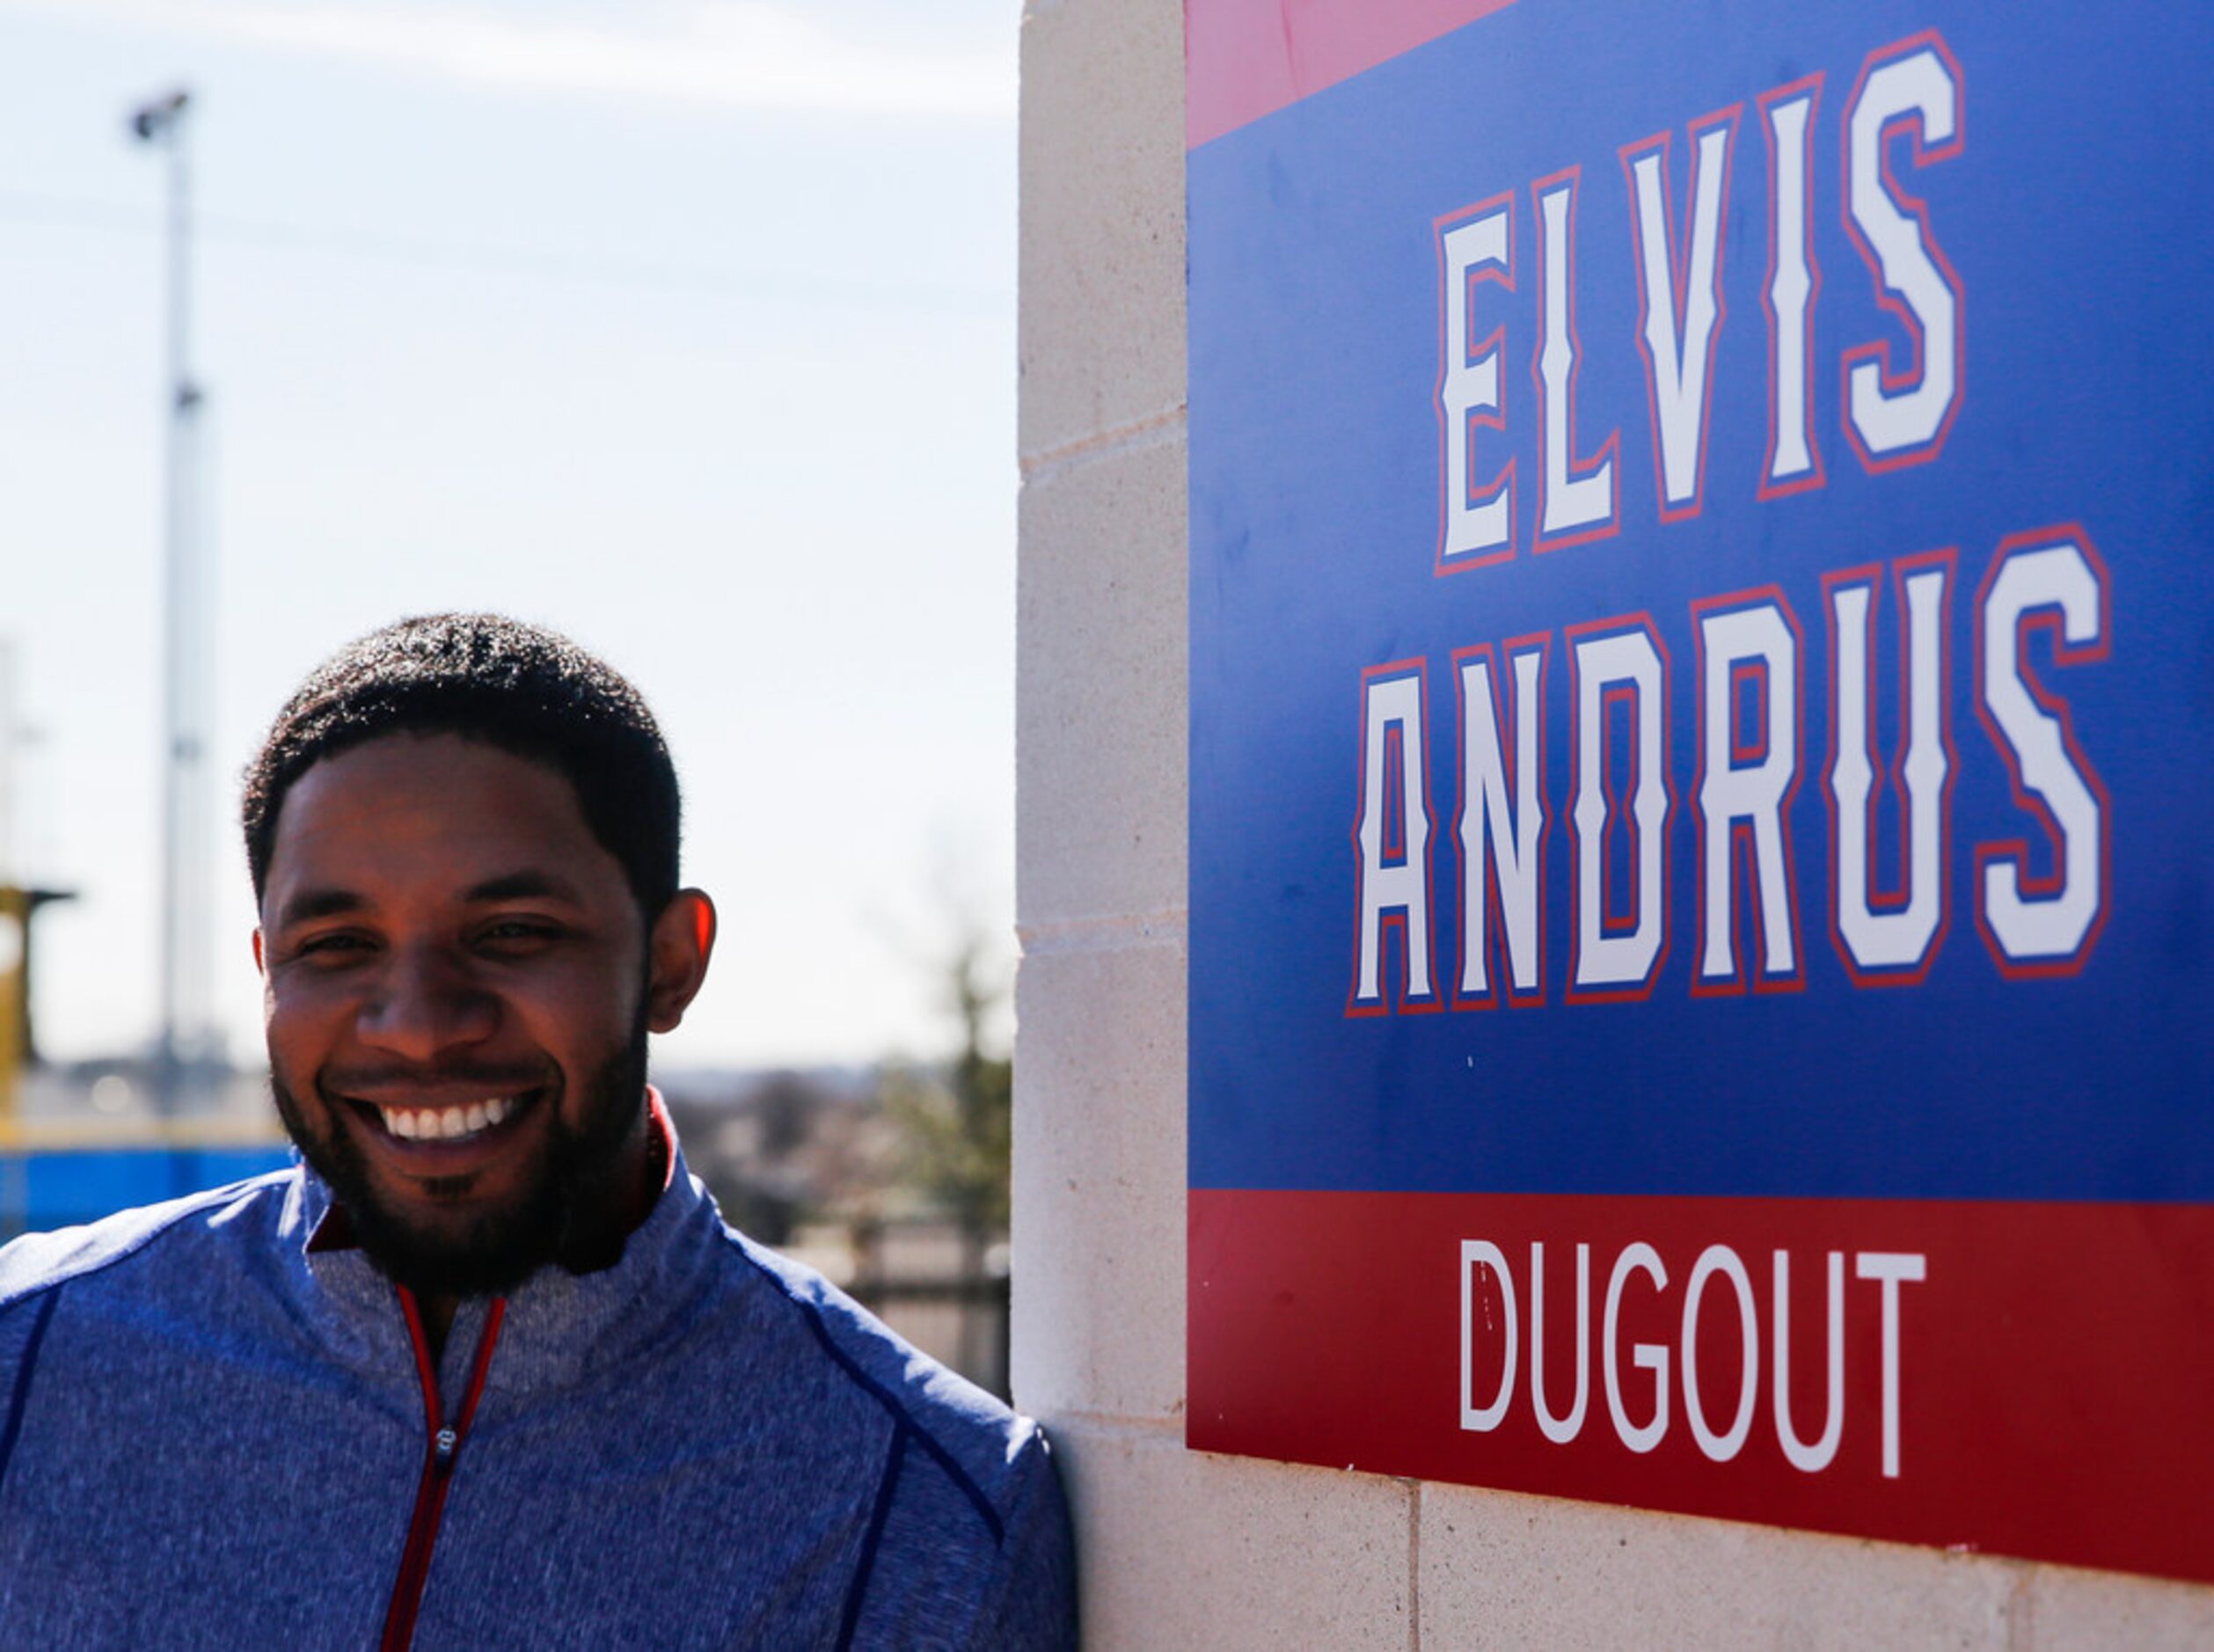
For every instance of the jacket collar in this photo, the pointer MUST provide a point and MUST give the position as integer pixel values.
(560, 1328)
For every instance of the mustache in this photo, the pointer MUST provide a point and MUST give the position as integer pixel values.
(493, 1078)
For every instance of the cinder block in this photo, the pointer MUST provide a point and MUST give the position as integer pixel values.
(2063, 1609)
(1101, 331)
(1183, 1549)
(1099, 1195)
(1500, 1569)
(1100, 689)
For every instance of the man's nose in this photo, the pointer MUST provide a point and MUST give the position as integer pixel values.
(428, 1003)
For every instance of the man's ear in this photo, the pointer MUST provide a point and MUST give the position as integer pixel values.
(683, 939)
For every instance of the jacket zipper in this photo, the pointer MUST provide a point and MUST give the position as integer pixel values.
(443, 1446)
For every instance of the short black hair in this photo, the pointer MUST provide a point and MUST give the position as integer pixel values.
(522, 688)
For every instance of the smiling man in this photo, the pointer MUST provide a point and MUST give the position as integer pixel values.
(486, 1369)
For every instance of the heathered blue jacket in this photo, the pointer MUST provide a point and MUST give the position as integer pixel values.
(212, 1436)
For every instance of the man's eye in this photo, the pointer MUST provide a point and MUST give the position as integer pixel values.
(331, 948)
(519, 933)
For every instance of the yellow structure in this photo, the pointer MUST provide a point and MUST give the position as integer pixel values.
(15, 998)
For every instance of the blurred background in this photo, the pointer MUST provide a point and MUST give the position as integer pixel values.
(685, 326)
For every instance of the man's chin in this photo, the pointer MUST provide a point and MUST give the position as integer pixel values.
(449, 1236)
(456, 1252)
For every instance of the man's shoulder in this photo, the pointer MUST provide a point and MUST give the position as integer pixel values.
(969, 1524)
(980, 1444)
(188, 1230)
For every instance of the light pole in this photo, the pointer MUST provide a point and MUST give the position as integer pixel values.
(161, 123)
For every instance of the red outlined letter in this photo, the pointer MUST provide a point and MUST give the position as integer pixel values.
(1501, 845)
(1893, 416)
(1575, 501)
(1475, 245)
(1680, 305)
(1745, 786)
(1792, 463)
(1608, 658)
(1891, 937)
(2051, 579)
(1391, 839)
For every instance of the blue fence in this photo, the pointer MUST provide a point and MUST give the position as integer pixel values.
(51, 1188)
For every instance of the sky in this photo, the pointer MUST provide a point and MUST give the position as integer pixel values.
(685, 328)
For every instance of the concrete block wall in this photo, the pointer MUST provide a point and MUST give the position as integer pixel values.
(1187, 1549)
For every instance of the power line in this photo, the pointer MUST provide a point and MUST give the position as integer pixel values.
(514, 264)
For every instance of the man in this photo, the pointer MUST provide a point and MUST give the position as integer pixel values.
(486, 1369)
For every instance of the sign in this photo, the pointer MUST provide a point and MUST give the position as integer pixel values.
(1702, 759)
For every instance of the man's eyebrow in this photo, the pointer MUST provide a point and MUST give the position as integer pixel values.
(313, 903)
(524, 885)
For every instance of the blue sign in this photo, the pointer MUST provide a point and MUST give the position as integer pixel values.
(1702, 685)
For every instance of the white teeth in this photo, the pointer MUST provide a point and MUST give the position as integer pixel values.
(448, 1124)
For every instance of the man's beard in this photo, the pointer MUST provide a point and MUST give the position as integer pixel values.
(570, 1210)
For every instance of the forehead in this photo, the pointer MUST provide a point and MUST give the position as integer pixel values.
(429, 815)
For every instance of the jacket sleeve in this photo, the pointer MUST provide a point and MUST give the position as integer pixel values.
(1032, 1603)
(22, 1323)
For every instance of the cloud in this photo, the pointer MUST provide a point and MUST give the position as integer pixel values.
(744, 53)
